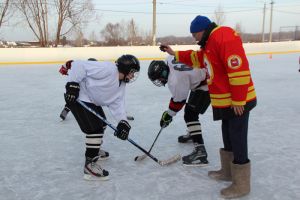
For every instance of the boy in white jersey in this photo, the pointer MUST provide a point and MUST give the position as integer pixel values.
(184, 82)
(99, 84)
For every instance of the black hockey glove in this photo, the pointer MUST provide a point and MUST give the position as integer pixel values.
(166, 119)
(72, 92)
(123, 129)
(163, 48)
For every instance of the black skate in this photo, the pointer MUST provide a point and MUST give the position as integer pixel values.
(64, 113)
(93, 170)
(197, 158)
(185, 138)
(103, 155)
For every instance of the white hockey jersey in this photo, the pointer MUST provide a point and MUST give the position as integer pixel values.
(182, 79)
(100, 85)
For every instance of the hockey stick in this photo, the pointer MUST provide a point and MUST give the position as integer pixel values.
(160, 162)
(142, 157)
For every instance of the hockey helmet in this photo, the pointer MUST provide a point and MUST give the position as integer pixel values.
(128, 64)
(92, 59)
(158, 72)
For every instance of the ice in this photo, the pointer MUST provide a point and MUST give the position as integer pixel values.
(42, 158)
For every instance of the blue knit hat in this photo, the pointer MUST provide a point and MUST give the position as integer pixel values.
(200, 23)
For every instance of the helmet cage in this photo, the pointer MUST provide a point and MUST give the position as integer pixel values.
(135, 76)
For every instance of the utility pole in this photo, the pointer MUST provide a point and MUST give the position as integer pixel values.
(263, 24)
(271, 18)
(154, 24)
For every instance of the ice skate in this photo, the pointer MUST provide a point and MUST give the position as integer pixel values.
(185, 138)
(93, 170)
(197, 158)
(103, 155)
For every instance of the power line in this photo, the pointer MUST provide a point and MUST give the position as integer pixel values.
(288, 12)
(173, 13)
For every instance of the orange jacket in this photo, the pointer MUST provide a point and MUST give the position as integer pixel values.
(228, 75)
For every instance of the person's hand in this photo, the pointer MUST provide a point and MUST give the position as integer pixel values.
(72, 92)
(65, 67)
(238, 110)
(68, 64)
(123, 129)
(167, 48)
(63, 70)
(166, 119)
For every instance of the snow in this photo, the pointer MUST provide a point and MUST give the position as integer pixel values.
(42, 158)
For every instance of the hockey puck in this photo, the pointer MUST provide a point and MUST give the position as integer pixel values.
(130, 117)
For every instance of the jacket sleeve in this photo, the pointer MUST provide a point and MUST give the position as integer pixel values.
(77, 73)
(237, 67)
(190, 58)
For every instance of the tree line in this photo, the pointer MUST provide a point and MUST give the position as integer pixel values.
(71, 16)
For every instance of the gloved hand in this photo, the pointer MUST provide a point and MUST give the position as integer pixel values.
(68, 64)
(123, 129)
(72, 92)
(166, 119)
(64, 68)
(163, 48)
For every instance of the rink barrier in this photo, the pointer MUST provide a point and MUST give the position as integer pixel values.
(43, 56)
(141, 59)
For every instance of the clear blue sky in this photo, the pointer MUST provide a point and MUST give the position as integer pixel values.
(174, 16)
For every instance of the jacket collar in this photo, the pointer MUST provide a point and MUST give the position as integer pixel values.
(206, 34)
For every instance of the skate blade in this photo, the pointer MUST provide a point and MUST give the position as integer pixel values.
(103, 158)
(195, 164)
(89, 177)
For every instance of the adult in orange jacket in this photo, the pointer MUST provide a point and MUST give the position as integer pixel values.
(232, 96)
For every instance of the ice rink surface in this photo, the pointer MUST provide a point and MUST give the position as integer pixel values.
(42, 158)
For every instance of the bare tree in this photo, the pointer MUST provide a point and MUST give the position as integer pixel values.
(93, 38)
(238, 28)
(72, 15)
(132, 33)
(219, 15)
(113, 34)
(35, 13)
(79, 39)
(4, 8)
(147, 37)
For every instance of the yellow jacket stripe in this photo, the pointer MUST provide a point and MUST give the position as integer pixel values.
(240, 80)
(195, 59)
(236, 74)
(224, 100)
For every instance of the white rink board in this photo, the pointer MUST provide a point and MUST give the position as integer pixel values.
(14, 55)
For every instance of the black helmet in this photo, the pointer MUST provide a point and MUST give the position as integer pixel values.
(128, 64)
(158, 72)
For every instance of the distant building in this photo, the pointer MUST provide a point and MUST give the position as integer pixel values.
(11, 43)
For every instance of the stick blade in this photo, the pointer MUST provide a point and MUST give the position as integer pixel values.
(170, 160)
(140, 158)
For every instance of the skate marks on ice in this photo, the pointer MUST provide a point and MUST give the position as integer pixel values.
(42, 159)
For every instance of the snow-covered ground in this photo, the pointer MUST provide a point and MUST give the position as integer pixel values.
(42, 158)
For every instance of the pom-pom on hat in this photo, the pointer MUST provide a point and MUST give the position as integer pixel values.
(200, 23)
